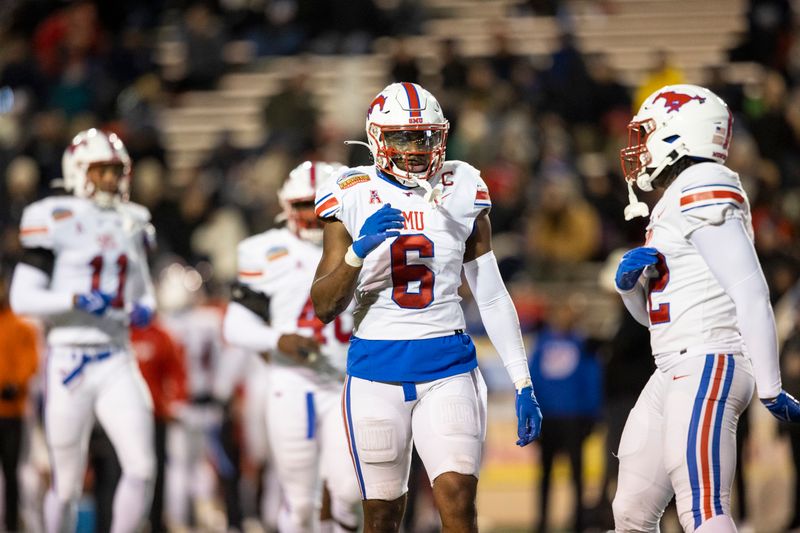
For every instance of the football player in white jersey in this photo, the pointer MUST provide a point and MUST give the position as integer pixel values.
(85, 271)
(271, 311)
(398, 235)
(697, 284)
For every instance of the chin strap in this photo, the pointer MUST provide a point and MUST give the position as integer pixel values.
(635, 208)
(433, 195)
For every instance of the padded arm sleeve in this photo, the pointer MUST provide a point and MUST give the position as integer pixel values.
(729, 253)
(245, 329)
(30, 293)
(636, 303)
(498, 314)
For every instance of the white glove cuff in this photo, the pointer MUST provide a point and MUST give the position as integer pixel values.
(352, 259)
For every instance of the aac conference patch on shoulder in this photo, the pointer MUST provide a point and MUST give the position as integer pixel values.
(60, 213)
(350, 179)
(276, 252)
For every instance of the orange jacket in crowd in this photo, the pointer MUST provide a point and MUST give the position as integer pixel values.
(163, 367)
(19, 359)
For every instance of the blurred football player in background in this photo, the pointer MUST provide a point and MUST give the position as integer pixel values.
(85, 270)
(163, 367)
(271, 312)
(195, 444)
(698, 285)
(398, 235)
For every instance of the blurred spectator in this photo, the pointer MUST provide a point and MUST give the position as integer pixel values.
(662, 73)
(564, 229)
(291, 116)
(567, 381)
(503, 59)
(204, 39)
(769, 33)
(68, 37)
(164, 369)
(18, 362)
(21, 73)
(765, 105)
(403, 64)
(453, 68)
(569, 88)
(790, 373)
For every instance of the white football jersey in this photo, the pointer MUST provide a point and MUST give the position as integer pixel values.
(420, 269)
(690, 313)
(199, 331)
(281, 266)
(94, 249)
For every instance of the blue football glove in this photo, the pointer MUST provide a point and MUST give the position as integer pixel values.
(632, 265)
(140, 316)
(529, 416)
(784, 407)
(377, 228)
(95, 302)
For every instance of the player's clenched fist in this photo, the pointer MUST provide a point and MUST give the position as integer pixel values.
(784, 407)
(381, 225)
(300, 348)
(632, 265)
(95, 302)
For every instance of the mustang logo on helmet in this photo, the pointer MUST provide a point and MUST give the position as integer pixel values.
(674, 101)
(379, 101)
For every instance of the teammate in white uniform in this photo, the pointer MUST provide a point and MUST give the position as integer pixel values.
(85, 271)
(398, 235)
(697, 284)
(272, 312)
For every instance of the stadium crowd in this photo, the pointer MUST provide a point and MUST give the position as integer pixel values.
(546, 139)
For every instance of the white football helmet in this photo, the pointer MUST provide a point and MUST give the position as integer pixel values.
(405, 125)
(91, 147)
(301, 188)
(673, 122)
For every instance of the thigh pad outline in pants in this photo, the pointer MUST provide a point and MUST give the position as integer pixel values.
(125, 410)
(643, 487)
(449, 424)
(294, 444)
(378, 424)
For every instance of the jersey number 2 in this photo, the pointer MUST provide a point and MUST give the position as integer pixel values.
(660, 315)
(403, 274)
(122, 275)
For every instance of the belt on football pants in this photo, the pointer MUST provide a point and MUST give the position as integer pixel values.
(85, 360)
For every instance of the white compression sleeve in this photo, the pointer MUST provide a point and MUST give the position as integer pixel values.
(498, 315)
(245, 329)
(636, 303)
(729, 253)
(30, 293)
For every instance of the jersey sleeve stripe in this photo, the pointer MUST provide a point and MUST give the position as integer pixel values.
(323, 198)
(481, 195)
(33, 230)
(688, 199)
(726, 185)
(327, 208)
(250, 273)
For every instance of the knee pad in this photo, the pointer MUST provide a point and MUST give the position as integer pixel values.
(297, 517)
(629, 515)
(718, 524)
(139, 466)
